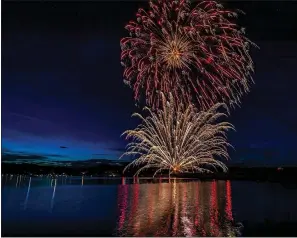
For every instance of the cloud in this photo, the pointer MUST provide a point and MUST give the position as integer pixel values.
(3, 150)
(17, 156)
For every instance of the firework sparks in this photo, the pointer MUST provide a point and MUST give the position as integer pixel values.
(179, 139)
(197, 53)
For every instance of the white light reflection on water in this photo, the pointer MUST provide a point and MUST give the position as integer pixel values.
(53, 196)
(27, 195)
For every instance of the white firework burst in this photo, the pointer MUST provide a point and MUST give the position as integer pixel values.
(179, 139)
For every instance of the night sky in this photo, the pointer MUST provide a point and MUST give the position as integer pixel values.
(63, 96)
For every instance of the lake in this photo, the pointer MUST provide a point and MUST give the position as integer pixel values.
(85, 206)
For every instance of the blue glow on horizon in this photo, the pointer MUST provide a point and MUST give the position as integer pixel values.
(50, 147)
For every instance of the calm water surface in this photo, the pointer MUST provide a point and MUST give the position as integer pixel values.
(70, 206)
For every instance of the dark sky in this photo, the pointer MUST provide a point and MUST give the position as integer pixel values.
(63, 97)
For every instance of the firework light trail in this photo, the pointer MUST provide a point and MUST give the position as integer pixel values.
(197, 53)
(179, 139)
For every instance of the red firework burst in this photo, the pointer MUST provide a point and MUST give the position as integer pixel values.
(196, 53)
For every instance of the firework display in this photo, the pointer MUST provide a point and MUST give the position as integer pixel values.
(179, 139)
(196, 52)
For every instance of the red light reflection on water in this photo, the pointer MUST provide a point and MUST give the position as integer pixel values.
(150, 204)
(228, 209)
(175, 209)
(214, 210)
(123, 180)
(135, 200)
(199, 227)
(197, 209)
(123, 204)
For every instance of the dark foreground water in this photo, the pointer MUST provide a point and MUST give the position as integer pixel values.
(144, 207)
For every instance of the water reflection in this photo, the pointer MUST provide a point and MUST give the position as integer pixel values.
(53, 196)
(27, 195)
(176, 209)
(67, 206)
